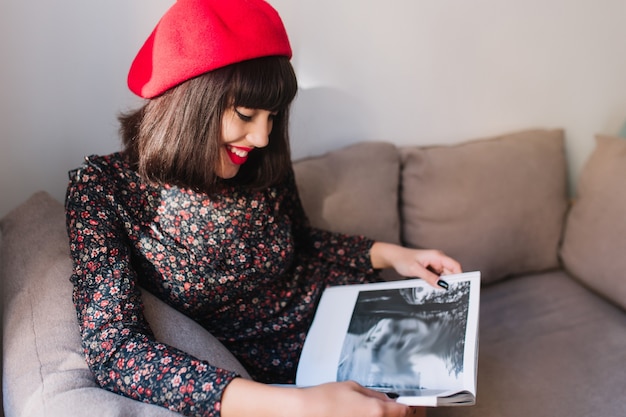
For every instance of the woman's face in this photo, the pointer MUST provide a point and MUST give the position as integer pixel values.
(243, 130)
(398, 338)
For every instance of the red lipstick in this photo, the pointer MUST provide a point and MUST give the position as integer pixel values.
(238, 154)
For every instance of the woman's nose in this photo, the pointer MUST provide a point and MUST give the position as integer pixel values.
(259, 134)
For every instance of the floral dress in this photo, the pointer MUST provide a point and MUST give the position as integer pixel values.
(244, 264)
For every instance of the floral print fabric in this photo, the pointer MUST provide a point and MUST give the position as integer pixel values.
(244, 264)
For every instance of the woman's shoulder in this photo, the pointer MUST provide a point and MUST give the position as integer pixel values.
(108, 182)
(107, 176)
(103, 169)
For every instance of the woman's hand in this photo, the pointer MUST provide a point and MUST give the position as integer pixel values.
(353, 400)
(416, 263)
(337, 399)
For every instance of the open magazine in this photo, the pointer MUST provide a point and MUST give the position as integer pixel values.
(404, 338)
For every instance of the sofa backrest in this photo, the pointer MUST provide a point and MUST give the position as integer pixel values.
(353, 190)
(496, 204)
(594, 243)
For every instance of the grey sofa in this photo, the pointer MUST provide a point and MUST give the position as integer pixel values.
(552, 322)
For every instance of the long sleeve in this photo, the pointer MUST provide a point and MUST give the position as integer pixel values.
(118, 343)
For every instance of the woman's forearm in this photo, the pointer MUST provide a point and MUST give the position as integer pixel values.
(243, 398)
(380, 255)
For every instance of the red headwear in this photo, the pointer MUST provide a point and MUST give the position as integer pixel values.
(197, 36)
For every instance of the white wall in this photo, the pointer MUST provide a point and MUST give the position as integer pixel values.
(408, 71)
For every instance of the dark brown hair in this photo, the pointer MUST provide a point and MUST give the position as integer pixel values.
(175, 138)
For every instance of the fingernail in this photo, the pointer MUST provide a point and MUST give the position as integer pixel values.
(442, 284)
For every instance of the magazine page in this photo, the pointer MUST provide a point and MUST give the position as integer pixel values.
(404, 337)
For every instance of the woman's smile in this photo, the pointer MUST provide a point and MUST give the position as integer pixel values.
(238, 154)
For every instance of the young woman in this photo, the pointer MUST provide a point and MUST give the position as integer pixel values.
(201, 208)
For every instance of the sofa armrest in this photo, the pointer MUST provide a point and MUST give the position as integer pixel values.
(44, 370)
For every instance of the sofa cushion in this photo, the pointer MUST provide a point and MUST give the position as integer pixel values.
(548, 347)
(44, 370)
(595, 234)
(496, 204)
(353, 190)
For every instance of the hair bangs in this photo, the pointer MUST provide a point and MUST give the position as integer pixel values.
(267, 83)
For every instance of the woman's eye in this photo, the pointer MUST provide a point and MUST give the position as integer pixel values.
(242, 116)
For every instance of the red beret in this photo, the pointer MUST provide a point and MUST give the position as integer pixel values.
(197, 36)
